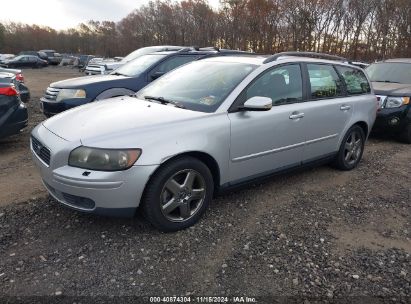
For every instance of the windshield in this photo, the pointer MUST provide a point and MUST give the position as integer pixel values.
(199, 86)
(139, 65)
(390, 72)
(139, 52)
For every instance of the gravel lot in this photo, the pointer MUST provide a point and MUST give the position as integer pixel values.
(317, 234)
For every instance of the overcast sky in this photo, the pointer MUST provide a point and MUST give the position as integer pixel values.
(62, 14)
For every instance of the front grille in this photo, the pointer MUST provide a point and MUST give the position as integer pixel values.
(78, 201)
(41, 151)
(51, 93)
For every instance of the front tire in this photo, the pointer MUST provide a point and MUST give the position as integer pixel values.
(178, 194)
(351, 149)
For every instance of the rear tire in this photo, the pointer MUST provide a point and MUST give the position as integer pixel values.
(405, 136)
(351, 149)
(178, 194)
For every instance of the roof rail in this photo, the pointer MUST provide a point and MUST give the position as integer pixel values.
(210, 48)
(305, 54)
(186, 49)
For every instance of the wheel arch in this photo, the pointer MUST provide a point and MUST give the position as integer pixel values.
(204, 157)
(364, 127)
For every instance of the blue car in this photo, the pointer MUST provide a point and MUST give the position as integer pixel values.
(126, 80)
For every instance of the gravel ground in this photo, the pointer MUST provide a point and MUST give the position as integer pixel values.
(319, 234)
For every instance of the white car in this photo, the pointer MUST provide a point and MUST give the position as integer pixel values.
(108, 66)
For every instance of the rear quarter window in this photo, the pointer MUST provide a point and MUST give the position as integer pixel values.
(324, 81)
(355, 80)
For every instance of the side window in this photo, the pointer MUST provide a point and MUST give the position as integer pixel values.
(324, 81)
(355, 80)
(283, 85)
(172, 63)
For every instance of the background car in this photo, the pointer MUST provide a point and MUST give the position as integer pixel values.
(4, 57)
(11, 79)
(391, 80)
(106, 67)
(25, 61)
(41, 55)
(18, 73)
(126, 80)
(205, 127)
(53, 58)
(13, 113)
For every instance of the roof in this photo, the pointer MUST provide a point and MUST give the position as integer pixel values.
(250, 59)
(399, 60)
(204, 51)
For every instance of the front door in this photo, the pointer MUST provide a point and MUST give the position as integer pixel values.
(267, 141)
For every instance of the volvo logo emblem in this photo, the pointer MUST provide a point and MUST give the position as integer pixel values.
(37, 147)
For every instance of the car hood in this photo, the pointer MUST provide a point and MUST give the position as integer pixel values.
(82, 82)
(392, 89)
(115, 117)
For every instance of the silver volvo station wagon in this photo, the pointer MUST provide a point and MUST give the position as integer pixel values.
(205, 127)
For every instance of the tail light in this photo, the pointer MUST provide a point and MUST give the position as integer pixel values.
(9, 91)
(20, 77)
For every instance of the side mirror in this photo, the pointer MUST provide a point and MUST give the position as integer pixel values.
(257, 103)
(157, 75)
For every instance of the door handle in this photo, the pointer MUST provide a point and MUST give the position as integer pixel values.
(345, 107)
(296, 115)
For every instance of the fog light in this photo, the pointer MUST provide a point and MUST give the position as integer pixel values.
(394, 121)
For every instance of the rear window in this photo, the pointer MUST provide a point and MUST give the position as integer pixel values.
(355, 80)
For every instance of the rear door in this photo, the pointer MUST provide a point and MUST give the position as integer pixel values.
(327, 111)
(268, 141)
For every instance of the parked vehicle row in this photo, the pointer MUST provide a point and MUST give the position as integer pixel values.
(204, 121)
(207, 126)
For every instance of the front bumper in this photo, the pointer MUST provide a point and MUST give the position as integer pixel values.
(52, 108)
(104, 193)
(393, 119)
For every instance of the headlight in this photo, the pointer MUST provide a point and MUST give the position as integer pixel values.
(396, 102)
(103, 159)
(70, 93)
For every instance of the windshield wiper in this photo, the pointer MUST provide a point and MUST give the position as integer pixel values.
(117, 74)
(387, 81)
(164, 101)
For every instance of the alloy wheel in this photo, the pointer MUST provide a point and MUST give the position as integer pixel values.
(353, 148)
(183, 195)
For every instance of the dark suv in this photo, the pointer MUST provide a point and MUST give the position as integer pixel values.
(391, 80)
(126, 80)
